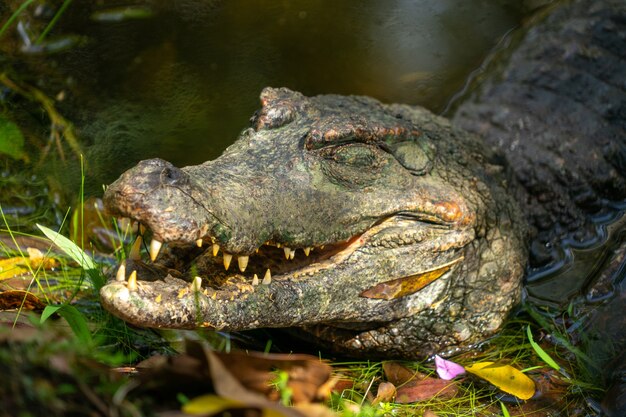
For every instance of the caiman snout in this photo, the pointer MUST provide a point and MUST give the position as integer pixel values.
(158, 172)
(171, 176)
(146, 177)
(151, 194)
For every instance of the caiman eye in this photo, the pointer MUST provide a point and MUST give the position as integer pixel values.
(353, 165)
(357, 155)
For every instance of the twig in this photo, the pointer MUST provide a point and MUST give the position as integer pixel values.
(59, 126)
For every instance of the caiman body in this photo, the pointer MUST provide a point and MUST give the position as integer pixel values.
(385, 229)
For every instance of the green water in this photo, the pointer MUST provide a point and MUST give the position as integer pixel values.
(179, 80)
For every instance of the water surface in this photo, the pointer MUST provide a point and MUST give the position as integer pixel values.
(179, 80)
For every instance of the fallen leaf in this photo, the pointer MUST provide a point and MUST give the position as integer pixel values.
(446, 369)
(315, 410)
(386, 393)
(19, 265)
(413, 386)
(18, 299)
(341, 385)
(13, 267)
(400, 287)
(213, 404)
(505, 377)
(227, 385)
(399, 374)
(425, 389)
(307, 375)
(242, 377)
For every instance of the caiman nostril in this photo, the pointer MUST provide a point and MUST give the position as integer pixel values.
(172, 176)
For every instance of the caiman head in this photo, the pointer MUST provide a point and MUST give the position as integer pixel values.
(377, 228)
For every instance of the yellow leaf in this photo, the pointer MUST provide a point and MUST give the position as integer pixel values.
(505, 377)
(209, 404)
(400, 287)
(13, 267)
(213, 404)
(18, 265)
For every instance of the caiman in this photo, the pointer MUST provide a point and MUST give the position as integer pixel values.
(383, 229)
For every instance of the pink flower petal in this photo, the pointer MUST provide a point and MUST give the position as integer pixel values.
(447, 369)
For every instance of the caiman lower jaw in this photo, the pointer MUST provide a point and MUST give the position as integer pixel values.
(274, 262)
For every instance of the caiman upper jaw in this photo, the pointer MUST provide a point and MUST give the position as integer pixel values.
(157, 195)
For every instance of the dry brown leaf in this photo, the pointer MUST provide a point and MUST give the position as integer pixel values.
(18, 299)
(342, 385)
(386, 393)
(308, 376)
(243, 377)
(425, 389)
(19, 242)
(315, 410)
(398, 374)
(227, 385)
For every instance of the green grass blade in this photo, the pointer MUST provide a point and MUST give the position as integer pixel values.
(505, 411)
(74, 318)
(14, 16)
(48, 311)
(53, 22)
(542, 353)
(77, 323)
(69, 247)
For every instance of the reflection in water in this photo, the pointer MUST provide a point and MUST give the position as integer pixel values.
(593, 270)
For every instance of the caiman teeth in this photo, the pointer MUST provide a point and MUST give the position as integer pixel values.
(267, 279)
(292, 254)
(216, 249)
(199, 243)
(196, 284)
(132, 281)
(243, 262)
(289, 253)
(155, 247)
(121, 273)
(227, 258)
(135, 249)
(307, 251)
(255, 280)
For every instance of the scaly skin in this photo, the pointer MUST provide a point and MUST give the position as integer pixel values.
(424, 246)
(557, 111)
(391, 191)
